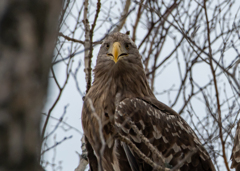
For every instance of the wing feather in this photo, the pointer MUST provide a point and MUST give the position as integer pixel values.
(130, 157)
(165, 130)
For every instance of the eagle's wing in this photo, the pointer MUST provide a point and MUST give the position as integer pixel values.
(165, 130)
(130, 157)
(236, 149)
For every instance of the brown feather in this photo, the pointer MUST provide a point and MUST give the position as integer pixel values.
(173, 144)
(120, 91)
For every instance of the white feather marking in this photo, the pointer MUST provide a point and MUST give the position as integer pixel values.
(117, 99)
(180, 121)
(125, 129)
(148, 113)
(118, 124)
(157, 115)
(167, 118)
(142, 123)
(109, 141)
(150, 109)
(237, 148)
(155, 129)
(144, 103)
(237, 159)
(164, 139)
(175, 134)
(171, 116)
(184, 146)
(167, 129)
(176, 148)
(169, 158)
(197, 141)
(156, 133)
(203, 152)
(136, 138)
(182, 127)
(119, 113)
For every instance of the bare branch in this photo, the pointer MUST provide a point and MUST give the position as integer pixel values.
(123, 16)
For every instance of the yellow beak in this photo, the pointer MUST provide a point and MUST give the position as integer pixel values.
(116, 51)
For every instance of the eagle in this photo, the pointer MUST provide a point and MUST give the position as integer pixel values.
(126, 128)
(235, 157)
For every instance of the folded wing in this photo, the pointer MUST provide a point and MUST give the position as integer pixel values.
(172, 138)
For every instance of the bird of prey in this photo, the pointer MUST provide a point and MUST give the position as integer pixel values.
(125, 126)
(236, 149)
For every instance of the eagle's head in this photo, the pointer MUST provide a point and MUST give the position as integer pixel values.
(119, 67)
(117, 48)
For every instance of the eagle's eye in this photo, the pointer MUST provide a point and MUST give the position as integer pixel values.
(107, 45)
(127, 45)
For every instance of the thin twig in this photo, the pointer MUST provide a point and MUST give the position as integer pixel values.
(59, 121)
(100, 131)
(216, 88)
(189, 155)
(71, 39)
(56, 144)
(65, 123)
(123, 16)
(146, 141)
(55, 103)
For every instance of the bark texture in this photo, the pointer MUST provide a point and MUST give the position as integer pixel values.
(27, 38)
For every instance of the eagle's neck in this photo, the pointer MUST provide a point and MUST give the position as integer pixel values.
(115, 82)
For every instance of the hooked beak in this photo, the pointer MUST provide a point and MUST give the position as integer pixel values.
(116, 52)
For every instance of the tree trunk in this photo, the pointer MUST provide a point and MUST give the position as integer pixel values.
(27, 38)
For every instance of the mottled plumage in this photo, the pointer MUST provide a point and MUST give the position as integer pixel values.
(236, 149)
(120, 101)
